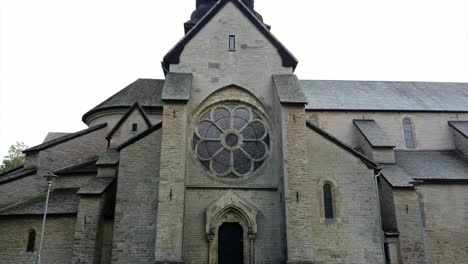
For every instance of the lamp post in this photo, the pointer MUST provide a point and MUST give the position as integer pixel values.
(50, 178)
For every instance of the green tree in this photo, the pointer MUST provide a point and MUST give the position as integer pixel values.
(14, 158)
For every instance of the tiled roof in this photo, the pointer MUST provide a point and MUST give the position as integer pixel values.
(289, 89)
(54, 135)
(110, 157)
(16, 173)
(65, 138)
(61, 201)
(177, 87)
(385, 96)
(444, 166)
(373, 133)
(84, 167)
(460, 126)
(96, 186)
(147, 92)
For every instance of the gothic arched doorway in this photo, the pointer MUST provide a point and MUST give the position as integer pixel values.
(230, 244)
(231, 228)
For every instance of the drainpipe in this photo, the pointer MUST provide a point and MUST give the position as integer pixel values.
(50, 178)
(377, 174)
(421, 219)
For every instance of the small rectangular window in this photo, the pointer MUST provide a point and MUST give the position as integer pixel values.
(232, 42)
(134, 127)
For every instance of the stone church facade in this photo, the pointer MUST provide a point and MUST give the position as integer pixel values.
(233, 159)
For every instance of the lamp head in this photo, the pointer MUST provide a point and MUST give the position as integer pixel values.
(50, 177)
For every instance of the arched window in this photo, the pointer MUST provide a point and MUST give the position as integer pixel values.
(328, 200)
(31, 241)
(409, 133)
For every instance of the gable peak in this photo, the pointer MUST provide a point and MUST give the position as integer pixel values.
(203, 6)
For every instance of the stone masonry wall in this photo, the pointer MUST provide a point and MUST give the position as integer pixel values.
(136, 202)
(354, 235)
(409, 225)
(445, 222)
(58, 240)
(124, 132)
(340, 124)
(171, 196)
(213, 66)
(87, 246)
(297, 195)
(268, 240)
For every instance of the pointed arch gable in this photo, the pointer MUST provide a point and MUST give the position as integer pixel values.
(173, 56)
(231, 203)
(135, 107)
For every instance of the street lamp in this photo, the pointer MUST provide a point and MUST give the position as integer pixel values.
(50, 178)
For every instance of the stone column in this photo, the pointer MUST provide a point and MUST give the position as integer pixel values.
(252, 247)
(297, 185)
(170, 216)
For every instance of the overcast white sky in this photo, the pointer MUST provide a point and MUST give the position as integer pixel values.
(60, 58)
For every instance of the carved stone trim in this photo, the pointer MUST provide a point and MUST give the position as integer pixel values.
(230, 208)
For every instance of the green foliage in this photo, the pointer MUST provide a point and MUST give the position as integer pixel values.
(14, 158)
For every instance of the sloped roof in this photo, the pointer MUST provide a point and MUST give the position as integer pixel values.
(147, 92)
(54, 135)
(61, 201)
(96, 186)
(177, 87)
(173, 56)
(65, 138)
(289, 90)
(460, 126)
(374, 134)
(16, 173)
(369, 163)
(110, 157)
(84, 167)
(429, 166)
(386, 96)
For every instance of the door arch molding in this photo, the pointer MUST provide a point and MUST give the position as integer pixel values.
(230, 208)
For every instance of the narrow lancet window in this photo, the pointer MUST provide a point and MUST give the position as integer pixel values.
(232, 42)
(134, 127)
(31, 241)
(409, 133)
(328, 200)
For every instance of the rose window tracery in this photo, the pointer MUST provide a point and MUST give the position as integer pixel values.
(231, 140)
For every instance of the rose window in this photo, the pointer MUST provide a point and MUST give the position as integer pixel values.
(231, 140)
